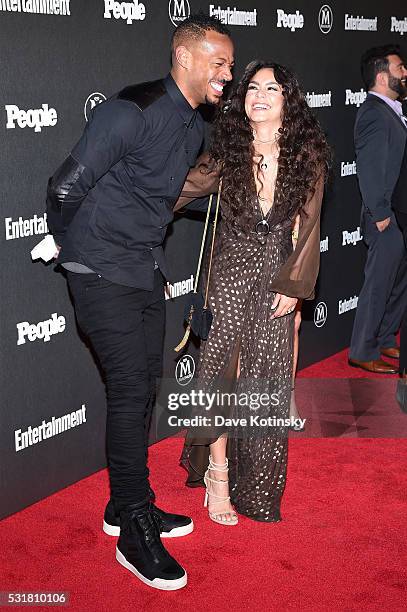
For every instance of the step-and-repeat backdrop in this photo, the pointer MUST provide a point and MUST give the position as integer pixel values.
(58, 59)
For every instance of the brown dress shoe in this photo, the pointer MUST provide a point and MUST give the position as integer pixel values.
(393, 353)
(378, 366)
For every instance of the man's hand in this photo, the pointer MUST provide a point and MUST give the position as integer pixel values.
(46, 250)
(381, 225)
(283, 304)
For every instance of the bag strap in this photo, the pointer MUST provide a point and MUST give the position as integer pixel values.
(215, 223)
(201, 252)
(198, 271)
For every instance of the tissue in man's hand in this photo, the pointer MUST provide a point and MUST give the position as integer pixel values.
(45, 250)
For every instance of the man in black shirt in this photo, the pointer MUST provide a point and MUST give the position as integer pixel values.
(108, 206)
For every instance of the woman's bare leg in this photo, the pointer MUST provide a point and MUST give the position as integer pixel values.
(218, 450)
(223, 510)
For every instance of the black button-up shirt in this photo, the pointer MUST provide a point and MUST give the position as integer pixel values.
(110, 204)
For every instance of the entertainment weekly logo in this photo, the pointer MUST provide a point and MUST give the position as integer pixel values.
(348, 168)
(50, 7)
(324, 245)
(318, 100)
(398, 25)
(23, 228)
(234, 16)
(179, 288)
(290, 21)
(367, 24)
(127, 11)
(35, 119)
(48, 429)
(347, 304)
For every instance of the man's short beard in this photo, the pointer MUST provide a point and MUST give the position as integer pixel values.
(397, 86)
(211, 102)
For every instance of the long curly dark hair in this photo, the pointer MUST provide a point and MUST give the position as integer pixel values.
(303, 150)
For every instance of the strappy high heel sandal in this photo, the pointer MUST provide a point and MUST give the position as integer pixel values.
(218, 517)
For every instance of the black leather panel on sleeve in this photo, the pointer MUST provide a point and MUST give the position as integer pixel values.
(143, 94)
(60, 207)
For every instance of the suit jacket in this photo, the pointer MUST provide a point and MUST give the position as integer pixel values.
(399, 199)
(380, 140)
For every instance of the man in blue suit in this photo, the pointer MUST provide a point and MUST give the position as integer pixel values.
(380, 141)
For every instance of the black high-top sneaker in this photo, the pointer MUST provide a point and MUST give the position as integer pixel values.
(140, 550)
(170, 525)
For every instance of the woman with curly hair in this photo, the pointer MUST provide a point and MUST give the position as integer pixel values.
(273, 157)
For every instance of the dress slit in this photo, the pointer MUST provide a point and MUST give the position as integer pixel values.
(195, 456)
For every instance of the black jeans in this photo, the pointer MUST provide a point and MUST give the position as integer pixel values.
(126, 329)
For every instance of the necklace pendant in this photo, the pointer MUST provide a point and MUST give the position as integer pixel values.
(262, 228)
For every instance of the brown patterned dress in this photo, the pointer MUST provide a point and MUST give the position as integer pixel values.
(247, 271)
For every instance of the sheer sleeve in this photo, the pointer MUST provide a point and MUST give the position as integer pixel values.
(201, 180)
(298, 275)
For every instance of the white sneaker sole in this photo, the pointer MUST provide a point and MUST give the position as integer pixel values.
(111, 530)
(177, 532)
(157, 583)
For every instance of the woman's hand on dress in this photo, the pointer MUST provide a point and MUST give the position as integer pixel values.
(283, 305)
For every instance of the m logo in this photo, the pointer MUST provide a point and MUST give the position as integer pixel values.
(178, 10)
(325, 19)
(185, 370)
(320, 314)
(93, 100)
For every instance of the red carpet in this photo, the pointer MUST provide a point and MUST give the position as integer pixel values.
(340, 547)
